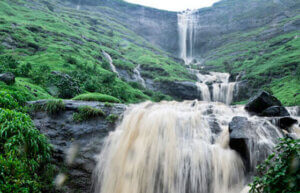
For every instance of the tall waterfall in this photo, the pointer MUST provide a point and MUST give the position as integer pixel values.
(178, 147)
(186, 23)
(110, 61)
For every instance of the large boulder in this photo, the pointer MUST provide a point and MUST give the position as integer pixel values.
(261, 101)
(253, 139)
(275, 111)
(85, 138)
(8, 78)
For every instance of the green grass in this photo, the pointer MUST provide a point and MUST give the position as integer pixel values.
(97, 97)
(86, 112)
(42, 37)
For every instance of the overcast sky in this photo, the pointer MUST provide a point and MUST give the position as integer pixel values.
(175, 5)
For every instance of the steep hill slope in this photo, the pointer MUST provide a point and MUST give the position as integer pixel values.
(58, 51)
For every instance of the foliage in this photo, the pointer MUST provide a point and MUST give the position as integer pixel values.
(53, 107)
(280, 173)
(86, 112)
(25, 155)
(97, 97)
(112, 118)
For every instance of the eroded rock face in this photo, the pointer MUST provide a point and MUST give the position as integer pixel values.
(8, 78)
(86, 137)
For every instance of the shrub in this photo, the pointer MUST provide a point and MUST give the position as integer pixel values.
(280, 173)
(97, 97)
(7, 101)
(54, 106)
(86, 112)
(24, 155)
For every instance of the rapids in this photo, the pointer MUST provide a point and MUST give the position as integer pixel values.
(180, 147)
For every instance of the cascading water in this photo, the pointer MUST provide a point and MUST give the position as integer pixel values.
(178, 147)
(186, 31)
(110, 61)
(222, 90)
(137, 75)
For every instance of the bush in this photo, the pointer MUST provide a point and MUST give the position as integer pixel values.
(97, 97)
(24, 155)
(54, 107)
(280, 173)
(7, 101)
(86, 112)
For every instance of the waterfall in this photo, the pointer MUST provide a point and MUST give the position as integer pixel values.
(186, 23)
(174, 147)
(137, 75)
(222, 89)
(110, 61)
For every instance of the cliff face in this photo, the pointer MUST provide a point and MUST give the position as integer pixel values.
(211, 25)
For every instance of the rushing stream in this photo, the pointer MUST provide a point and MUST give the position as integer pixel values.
(180, 147)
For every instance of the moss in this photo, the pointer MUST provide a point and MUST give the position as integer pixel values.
(86, 112)
(112, 118)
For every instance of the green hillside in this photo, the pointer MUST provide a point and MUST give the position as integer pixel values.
(70, 43)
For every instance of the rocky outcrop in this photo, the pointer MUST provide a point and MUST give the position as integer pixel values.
(8, 78)
(80, 139)
(179, 90)
(260, 102)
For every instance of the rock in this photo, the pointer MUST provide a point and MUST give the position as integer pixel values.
(275, 111)
(84, 137)
(239, 136)
(242, 91)
(261, 101)
(286, 122)
(8, 78)
(180, 90)
(246, 138)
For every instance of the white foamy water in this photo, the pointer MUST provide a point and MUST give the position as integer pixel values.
(137, 75)
(110, 61)
(186, 23)
(172, 147)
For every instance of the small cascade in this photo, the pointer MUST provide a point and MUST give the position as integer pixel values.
(112, 66)
(222, 90)
(180, 147)
(78, 5)
(186, 23)
(137, 75)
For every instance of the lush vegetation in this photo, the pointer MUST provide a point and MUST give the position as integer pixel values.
(270, 63)
(24, 153)
(86, 112)
(97, 97)
(281, 171)
(59, 54)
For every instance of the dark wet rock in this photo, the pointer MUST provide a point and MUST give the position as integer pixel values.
(87, 137)
(286, 122)
(275, 111)
(244, 139)
(179, 90)
(261, 101)
(8, 78)
(239, 129)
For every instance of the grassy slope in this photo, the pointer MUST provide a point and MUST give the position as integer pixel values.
(272, 64)
(40, 36)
